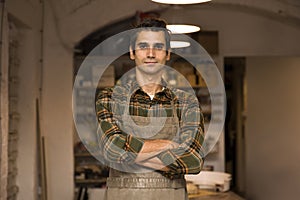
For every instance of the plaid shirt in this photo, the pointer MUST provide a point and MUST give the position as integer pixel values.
(120, 147)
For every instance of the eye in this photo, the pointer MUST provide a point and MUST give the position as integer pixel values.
(143, 46)
(159, 46)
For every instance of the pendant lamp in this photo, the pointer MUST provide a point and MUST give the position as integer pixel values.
(177, 22)
(180, 1)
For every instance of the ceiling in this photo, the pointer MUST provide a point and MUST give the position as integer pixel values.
(286, 10)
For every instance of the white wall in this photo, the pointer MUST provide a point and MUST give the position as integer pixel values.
(28, 92)
(57, 118)
(272, 128)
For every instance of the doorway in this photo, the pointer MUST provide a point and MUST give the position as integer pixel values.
(235, 86)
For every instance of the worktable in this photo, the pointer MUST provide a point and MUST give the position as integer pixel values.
(215, 196)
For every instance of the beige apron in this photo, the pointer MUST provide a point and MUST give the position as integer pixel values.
(150, 185)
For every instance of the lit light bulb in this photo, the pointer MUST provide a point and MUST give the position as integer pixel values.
(179, 44)
(182, 28)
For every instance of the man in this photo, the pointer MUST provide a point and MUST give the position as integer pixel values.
(150, 133)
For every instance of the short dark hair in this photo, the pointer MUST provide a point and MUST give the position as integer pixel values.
(151, 24)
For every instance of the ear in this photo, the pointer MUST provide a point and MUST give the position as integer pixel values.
(132, 55)
(168, 54)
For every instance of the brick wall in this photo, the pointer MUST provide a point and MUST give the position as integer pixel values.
(3, 104)
(12, 188)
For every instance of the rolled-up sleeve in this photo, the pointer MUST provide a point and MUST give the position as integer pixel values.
(188, 157)
(115, 145)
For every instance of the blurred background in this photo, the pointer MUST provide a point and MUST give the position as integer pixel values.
(255, 45)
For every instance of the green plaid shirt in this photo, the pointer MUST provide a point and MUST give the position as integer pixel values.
(120, 147)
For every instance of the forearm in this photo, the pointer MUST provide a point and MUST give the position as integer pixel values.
(186, 159)
(152, 148)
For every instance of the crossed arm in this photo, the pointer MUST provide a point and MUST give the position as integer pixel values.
(159, 154)
(151, 149)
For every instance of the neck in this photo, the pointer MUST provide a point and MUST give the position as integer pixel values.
(150, 84)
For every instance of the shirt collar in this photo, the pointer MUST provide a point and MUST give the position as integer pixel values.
(133, 87)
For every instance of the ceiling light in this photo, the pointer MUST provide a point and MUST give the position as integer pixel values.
(182, 28)
(179, 44)
(180, 1)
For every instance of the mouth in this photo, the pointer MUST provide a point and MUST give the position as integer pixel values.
(150, 62)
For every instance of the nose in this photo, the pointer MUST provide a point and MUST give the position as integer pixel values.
(151, 53)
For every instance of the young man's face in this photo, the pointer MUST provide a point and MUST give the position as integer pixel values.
(150, 51)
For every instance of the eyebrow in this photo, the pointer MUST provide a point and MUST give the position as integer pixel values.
(155, 44)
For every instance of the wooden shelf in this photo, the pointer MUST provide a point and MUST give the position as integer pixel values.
(90, 182)
(81, 181)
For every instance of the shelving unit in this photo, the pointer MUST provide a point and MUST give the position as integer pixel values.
(89, 172)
